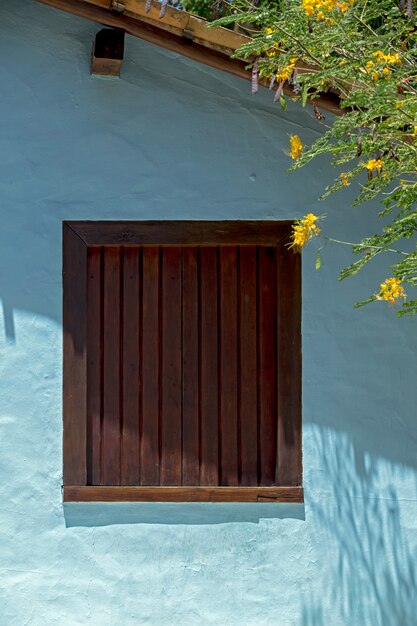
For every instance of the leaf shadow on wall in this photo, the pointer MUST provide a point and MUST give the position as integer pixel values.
(373, 578)
(8, 319)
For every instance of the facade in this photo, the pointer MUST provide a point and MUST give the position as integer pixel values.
(172, 140)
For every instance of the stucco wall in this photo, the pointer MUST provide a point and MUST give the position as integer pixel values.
(173, 139)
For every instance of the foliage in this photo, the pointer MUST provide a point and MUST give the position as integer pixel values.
(365, 51)
(209, 9)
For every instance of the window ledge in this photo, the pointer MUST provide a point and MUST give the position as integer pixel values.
(78, 493)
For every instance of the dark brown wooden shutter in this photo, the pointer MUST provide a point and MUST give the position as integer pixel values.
(193, 382)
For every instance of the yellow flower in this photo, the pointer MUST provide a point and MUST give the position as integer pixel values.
(394, 58)
(374, 164)
(308, 6)
(320, 6)
(391, 290)
(369, 65)
(303, 230)
(284, 75)
(391, 59)
(375, 75)
(379, 55)
(386, 70)
(343, 6)
(286, 71)
(296, 146)
(344, 179)
(310, 220)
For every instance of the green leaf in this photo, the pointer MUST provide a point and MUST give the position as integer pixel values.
(304, 95)
(363, 302)
(283, 102)
(318, 260)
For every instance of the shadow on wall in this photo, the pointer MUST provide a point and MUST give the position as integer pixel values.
(194, 514)
(373, 580)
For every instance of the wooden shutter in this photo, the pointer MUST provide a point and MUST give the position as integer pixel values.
(188, 378)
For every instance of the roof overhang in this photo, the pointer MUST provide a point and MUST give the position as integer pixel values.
(178, 31)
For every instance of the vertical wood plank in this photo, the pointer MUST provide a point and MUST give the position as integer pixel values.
(74, 274)
(209, 367)
(190, 368)
(289, 467)
(130, 459)
(171, 404)
(248, 367)
(94, 362)
(267, 364)
(150, 367)
(228, 388)
(110, 449)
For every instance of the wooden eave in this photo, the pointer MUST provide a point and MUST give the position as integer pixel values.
(178, 31)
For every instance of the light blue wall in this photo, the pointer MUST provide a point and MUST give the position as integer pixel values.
(171, 140)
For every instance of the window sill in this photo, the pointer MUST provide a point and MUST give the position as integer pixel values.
(77, 493)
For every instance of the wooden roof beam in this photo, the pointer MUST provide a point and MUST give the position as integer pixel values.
(210, 50)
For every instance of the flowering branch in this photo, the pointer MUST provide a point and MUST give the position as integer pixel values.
(307, 228)
(367, 51)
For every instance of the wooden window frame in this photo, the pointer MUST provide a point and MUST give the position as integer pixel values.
(77, 237)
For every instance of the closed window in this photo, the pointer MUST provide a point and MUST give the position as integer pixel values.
(182, 362)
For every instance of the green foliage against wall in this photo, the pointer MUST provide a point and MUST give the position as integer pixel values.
(365, 50)
(203, 8)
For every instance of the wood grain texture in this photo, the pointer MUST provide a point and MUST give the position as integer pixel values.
(112, 373)
(190, 368)
(182, 364)
(131, 321)
(94, 363)
(209, 465)
(182, 494)
(170, 233)
(289, 462)
(74, 274)
(267, 365)
(228, 363)
(248, 391)
(150, 436)
(171, 380)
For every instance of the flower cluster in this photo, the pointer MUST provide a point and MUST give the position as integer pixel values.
(391, 290)
(381, 62)
(389, 59)
(296, 147)
(344, 179)
(303, 230)
(374, 164)
(286, 71)
(320, 7)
